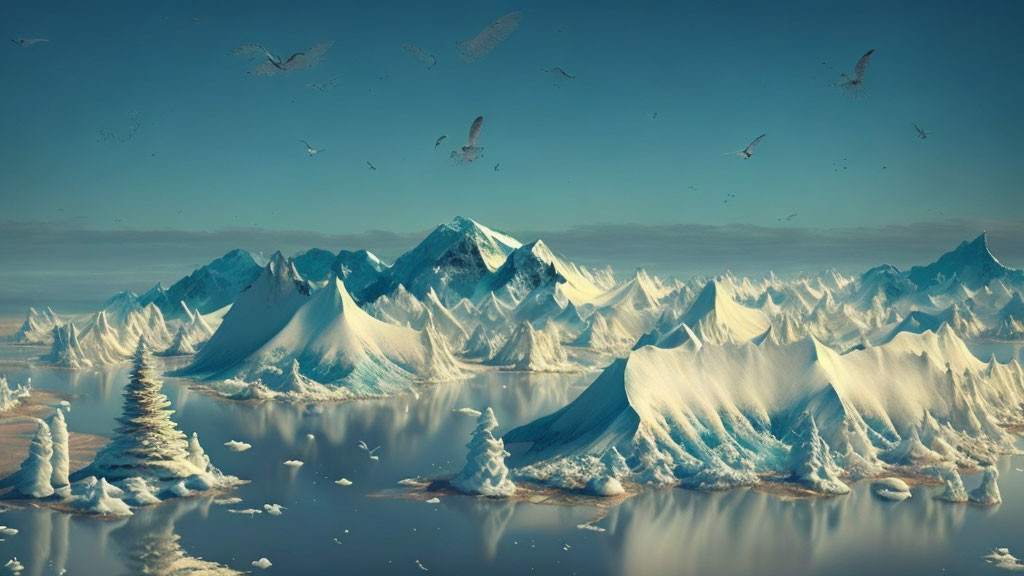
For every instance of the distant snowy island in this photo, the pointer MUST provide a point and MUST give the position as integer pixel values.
(813, 381)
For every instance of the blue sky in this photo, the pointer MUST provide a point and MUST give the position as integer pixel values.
(217, 148)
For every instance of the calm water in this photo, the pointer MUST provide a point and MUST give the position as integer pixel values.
(659, 532)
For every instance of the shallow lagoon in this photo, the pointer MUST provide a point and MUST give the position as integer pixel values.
(329, 528)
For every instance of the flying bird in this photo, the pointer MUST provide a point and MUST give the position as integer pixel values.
(324, 86)
(490, 37)
(420, 54)
(274, 64)
(312, 151)
(471, 151)
(558, 70)
(364, 446)
(496, 167)
(26, 42)
(374, 168)
(439, 140)
(921, 133)
(853, 84)
(247, 49)
(749, 150)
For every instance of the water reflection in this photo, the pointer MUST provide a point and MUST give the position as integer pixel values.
(490, 518)
(743, 532)
(659, 532)
(515, 398)
(152, 546)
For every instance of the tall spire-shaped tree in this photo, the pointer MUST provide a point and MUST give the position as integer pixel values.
(146, 439)
(61, 454)
(34, 477)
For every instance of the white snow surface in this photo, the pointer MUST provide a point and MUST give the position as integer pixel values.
(332, 349)
(722, 415)
(485, 472)
(10, 398)
(260, 312)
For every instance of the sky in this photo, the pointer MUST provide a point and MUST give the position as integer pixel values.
(134, 123)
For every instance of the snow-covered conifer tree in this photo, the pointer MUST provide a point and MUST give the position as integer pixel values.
(485, 471)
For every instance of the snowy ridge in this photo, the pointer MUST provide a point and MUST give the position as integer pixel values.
(452, 260)
(726, 415)
(259, 313)
(532, 350)
(332, 349)
(716, 318)
(37, 328)
(465, 275)
(210, 287)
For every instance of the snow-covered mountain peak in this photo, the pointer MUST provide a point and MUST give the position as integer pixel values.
(972, 262)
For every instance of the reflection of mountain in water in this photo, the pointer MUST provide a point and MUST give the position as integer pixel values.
(415, 421)
(745, 532)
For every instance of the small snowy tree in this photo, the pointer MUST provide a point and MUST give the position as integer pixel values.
(485, 471)
(34, 476)
(61, 453)
(196, 455)
(811, 460)
(146, 438)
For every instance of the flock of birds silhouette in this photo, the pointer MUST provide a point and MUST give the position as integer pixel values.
(494, 34)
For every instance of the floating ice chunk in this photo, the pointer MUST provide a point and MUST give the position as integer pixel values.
(409, 482)
(891, 489)
(434, 500)
(249, 511)
(16, 567)
(310, 437)
(591, 527)
(262, 563)
(343, 482)
(988, 492)
(66, 405)
(468, 412)
(955, 491)
(274, 509)
(227, 501)
(1001, 558)
(236, 446)
(293, 463)
(422, 567)
(8, 531)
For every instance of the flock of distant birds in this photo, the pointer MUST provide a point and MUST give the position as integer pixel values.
(470, 50)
